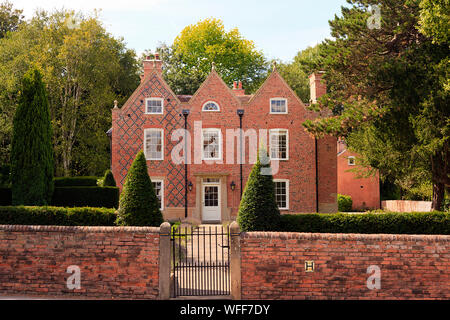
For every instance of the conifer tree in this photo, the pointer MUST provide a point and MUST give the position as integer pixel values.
(258, 210)
(32, 162)
(138, 205)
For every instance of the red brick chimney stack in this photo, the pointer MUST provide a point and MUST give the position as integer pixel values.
(237, 88)
(318, 86)
(151, 65)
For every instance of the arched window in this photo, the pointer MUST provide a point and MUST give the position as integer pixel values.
(210, 106)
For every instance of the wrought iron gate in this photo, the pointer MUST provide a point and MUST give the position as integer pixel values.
(200, 261)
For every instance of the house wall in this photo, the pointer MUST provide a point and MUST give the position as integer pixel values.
(115, 262)
(411, 266)
(365, 192)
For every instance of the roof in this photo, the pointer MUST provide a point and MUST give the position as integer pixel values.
(184, 97)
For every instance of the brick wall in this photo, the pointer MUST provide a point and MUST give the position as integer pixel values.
(115, 262)
(412, 266)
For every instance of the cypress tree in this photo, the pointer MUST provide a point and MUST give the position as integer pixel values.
(258, 210)
(32, 162)
(138, 205)
(108, 179)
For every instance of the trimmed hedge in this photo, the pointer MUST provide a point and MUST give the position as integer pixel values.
(57, 216)
(390, 222)
(5, 196)
(87, 181)
(107, 197)
(344, 203)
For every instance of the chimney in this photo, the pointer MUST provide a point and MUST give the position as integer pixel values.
(318, 86)
(151, 65)
(237, 88)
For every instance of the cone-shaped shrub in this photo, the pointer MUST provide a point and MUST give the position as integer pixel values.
(32, 148)
(108, 179)
(258, 210)
(138, 205)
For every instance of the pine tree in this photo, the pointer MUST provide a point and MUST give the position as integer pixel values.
(32, 162)
(108, 179)
(258, 210)
(138, 205)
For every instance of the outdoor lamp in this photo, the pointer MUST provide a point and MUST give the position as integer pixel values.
(190, 186)
(233, 185)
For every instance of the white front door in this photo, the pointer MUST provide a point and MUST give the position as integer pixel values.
(211, 202)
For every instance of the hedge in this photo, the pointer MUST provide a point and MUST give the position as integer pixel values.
(87, 181)
(5, 196)
(344, 203)
(57, 216)
(390, 222)
(107, 197)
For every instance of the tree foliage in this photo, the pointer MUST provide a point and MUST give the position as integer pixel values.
(32, 149)
(391, 84)
(188, 60)
(85, 70)
(258, 210)
(138, 205)
(10, 18)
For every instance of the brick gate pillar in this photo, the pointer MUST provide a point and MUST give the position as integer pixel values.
(164, 261)
(235, 260)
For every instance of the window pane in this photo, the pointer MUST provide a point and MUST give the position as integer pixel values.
(153, 145)
(157, 185)
(211, 106)
(278, 106)
(278, 145)
(154, 106)
(211, 145)
(281, 194)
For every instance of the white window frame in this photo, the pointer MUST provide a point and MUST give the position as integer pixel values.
(154, 99)
(162, 143)
(162, 191)
(270, 105)
(220, 143)
(349, 162)
(210, 101)
(273, 131)
(287, 192)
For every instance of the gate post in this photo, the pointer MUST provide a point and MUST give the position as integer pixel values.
(235, 261)
(164, 261)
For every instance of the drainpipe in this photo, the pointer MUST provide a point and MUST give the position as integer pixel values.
(185, 113)
(317, 175)
(240, 113)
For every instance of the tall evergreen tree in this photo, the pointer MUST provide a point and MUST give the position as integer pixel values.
(138, 205)
(258, 210)
(32, 162)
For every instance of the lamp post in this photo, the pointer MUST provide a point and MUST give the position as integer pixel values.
(240, 113)
(185, 114)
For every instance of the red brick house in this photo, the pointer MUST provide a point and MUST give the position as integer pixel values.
(205, 183)
(365, 191)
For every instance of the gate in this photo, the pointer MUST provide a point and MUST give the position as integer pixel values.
(200, 261)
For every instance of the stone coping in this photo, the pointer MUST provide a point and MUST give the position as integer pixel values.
(78, 229)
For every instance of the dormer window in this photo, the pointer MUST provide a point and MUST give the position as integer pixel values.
(278, 105)
(210, 106)
(154, 105)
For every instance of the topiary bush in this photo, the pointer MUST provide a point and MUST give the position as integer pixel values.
(258, 210)
(138, 205)
(32, 162)
(390, 222)
(56, 216)
(108, 179)
(344, 203)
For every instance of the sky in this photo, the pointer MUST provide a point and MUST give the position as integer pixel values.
(280, 28)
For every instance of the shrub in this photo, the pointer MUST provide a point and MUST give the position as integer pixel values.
(138, 204)
(107, 197)
(108, 179)
(87, 181)
(344, 203)
(22, 215)
(5, 196)
(390, 222)
(32, 162)
(258, 210)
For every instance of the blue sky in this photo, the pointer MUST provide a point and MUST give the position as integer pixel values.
(279, 28)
